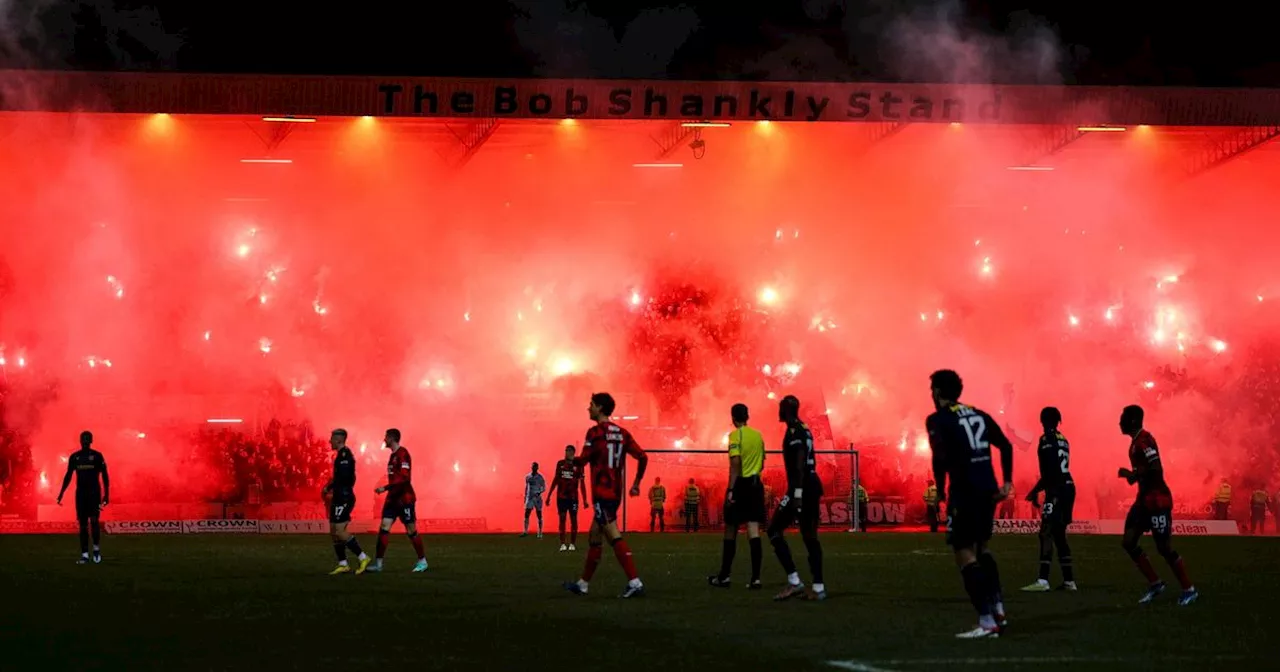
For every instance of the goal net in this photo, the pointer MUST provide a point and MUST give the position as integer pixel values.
(679, 471)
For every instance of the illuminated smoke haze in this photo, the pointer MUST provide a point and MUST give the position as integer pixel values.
(369, 284)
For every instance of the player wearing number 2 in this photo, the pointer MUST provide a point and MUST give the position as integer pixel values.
(1152, 511)
(1059, 490)
(961, 438)
(605, 449)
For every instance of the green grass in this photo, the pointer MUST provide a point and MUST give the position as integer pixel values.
(186, 603)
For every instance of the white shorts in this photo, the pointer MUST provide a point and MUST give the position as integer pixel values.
(535, 503)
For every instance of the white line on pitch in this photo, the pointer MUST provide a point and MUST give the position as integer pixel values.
(855, 666)
(873, 665)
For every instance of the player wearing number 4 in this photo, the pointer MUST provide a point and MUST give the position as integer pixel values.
(605, 449)
(401, 502)
(961, 438)
(1054, 456)
(1153, 510)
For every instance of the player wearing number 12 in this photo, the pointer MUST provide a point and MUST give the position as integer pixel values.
(605, 449)
(401, 502)
(1054, 454)
(1152, 511)
(961, 438)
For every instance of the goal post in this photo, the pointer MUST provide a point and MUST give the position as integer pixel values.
(709, 470)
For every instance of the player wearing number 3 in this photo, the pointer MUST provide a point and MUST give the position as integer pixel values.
(961, 438)
(605, 449)
(1152, 511)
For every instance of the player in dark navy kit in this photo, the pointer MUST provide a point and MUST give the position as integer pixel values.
(606, 449)
(566, 483)
(800, 505)
(1054, 455)
(88, 465)
(341, 493)
(1152, 511)
(400, 503)
(961, 438)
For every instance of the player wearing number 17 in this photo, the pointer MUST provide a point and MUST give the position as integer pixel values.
(1153, 510)
(605, 449)
(961, 438)
(340, 494)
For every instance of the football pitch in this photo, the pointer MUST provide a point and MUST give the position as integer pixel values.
(260, 602)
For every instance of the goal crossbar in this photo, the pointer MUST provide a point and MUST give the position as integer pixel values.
(855, 520)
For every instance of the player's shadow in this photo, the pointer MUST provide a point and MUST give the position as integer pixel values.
(1066, 618)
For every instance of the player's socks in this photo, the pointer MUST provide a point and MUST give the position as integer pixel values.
(991, 571)
(1144, 565)
(354, 547)
(383, 537)
(95, 532)
(1179, 570)
(975, 585)
(757, 558)
(417, 545)
(819, 591)
(814, 549)
(593, 561)
(1046, 563)
(783, 551)
(1064, 555)
(623, 553)
(84, 538)
(729, 548)
(340, 551)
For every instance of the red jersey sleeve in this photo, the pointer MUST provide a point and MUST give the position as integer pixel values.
(633, 449)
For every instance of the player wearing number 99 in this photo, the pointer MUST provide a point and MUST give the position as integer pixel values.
(605, 449)
(1054, 455)
(1152, 511)
(961, 438)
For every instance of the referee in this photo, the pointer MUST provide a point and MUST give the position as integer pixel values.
(744, 502)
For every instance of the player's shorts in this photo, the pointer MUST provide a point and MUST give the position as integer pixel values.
(748, 503)
(1152, 512)
(1059, 506)
(789, 512)
(567, 506)
(970, 520)
(533, 503)
(605, 511)
(340, 508)
(88, 505)
(405, 513)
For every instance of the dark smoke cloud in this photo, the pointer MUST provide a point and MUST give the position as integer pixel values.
(568, 38)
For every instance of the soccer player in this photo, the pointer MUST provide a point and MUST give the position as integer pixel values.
(800, 503)
(1054, 455)
(401, 501)
(342, 490)
(566, 484)
(91, 497)
(1152, 511)
(606, 448)
(744, 502)
(692, 499)
(961, 438)
(534, 486)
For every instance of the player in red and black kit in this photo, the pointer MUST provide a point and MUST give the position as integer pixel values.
(606, 450)
(1152, 511)
(401, 502)
(567, 482)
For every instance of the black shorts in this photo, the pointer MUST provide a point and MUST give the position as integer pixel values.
(340, 508)
(804, 513)
(1152, 512)
(405, 513)
(970, 520)
(1059, 506)
(748, 503)
(605, 511)
(88, 505)
(564, 506)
